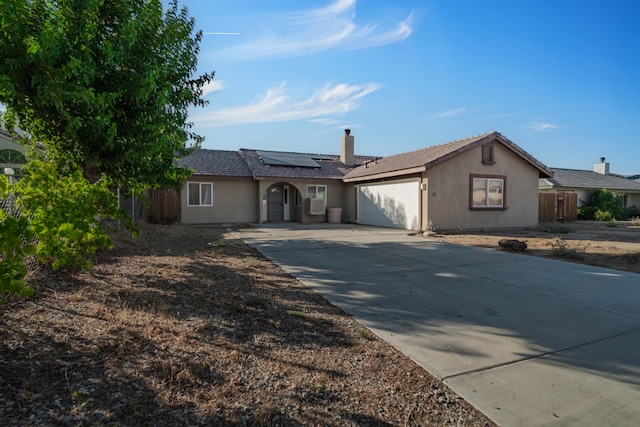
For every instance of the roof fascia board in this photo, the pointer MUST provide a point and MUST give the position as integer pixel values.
(525, 156)
(496, 136)
(387, 174)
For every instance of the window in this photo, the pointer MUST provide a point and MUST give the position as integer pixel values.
(488, 154)
(317, 191)
(487, 192)
(200, 194)
(12, 156)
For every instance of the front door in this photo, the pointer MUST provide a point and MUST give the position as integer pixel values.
(275, 203)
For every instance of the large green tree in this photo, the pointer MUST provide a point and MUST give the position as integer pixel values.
(104, 84)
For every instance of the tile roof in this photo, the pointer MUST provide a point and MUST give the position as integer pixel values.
(329, 169)
(216, 163)
(246, 162)
(574, 178)
(428, 157)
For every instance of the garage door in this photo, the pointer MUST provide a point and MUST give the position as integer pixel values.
(390, 204)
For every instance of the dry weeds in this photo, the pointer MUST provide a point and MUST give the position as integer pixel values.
(188, 326)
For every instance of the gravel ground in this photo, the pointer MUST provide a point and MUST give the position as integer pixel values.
(187, 326)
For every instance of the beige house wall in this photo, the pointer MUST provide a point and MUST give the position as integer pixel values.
(234, 201)
(633, 199)
(335, 198)
(349, 202)
(447, 193)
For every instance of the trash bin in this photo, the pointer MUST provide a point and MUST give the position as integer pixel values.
(334, 215)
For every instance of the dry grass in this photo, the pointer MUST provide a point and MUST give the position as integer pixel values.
(586, 242)
(187, 326)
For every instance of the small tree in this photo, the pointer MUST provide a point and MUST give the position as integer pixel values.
(66, 213)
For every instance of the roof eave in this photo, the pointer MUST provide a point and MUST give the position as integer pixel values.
(543, 171)
(391, 174)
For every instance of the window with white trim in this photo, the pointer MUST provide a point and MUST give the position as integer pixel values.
(317, 191)
(488, 192)
(200, 194)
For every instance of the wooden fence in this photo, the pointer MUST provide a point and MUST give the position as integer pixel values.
(557, 207)
(163, 206)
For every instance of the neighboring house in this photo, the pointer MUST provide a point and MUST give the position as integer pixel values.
(484, 181)
(583, 182)
(11, 153)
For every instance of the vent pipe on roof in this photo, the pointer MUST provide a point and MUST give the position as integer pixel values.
(602, 167)
(346, 148)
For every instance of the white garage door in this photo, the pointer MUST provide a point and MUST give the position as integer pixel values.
(390, 204)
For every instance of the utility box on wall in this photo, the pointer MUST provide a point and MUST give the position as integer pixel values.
(315, 206)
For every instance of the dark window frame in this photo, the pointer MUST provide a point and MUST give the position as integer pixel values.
(473, 207)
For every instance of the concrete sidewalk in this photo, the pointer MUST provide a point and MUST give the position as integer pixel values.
(528, 341)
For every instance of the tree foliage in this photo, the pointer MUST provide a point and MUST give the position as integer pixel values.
(66, 213)
(104, 84)
(15, 230)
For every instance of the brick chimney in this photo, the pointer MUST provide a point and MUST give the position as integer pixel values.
(602, 167)
(346, 148)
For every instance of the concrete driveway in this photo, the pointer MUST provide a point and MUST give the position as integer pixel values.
(528, 341)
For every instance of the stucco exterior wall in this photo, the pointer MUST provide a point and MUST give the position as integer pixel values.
(447, 204)
(335, 198)
(349, 202)
(234, 201)
(633, 199)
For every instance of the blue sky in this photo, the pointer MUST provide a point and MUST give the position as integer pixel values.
(559, 78)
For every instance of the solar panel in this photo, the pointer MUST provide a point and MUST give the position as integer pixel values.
(276, 158)
(320, 157)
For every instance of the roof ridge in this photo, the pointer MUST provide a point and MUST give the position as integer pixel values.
(288, 152)
(479, 136)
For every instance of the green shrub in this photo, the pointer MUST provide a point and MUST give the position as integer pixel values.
(587, 213)
(14, 232)
(603, 205)
(608, 202)
(603, 215)
(66, 213)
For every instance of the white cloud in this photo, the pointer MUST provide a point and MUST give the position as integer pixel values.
(310, 31)
(449, 113)
(326, 121)
(275, 105)
(212, 86)
(540, 124)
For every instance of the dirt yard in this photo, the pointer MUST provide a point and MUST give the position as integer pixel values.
(188, 326)
(586, 242)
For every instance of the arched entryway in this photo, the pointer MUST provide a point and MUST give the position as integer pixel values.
(281, 202)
